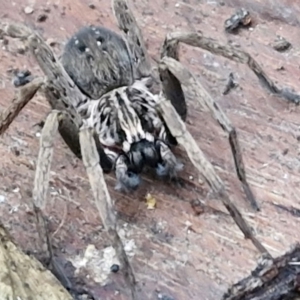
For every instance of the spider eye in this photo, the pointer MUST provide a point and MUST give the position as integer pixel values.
(81, 48)
(100, 39)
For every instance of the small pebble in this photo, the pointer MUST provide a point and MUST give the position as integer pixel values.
(285, 151)
(21, 50)
(281, 44)
(5, 41)
(114, 268)
(51, 42)
(164, 297)
(16, 190)
(197, 206)
(28, 10)
(21, 77)
(42, 18)
(15, 151)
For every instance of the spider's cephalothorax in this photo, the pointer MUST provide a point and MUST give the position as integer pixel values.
(120, 109)
(98, 60)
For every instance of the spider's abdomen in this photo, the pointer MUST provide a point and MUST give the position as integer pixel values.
(145, 105)
(116, 121)
(98, 61)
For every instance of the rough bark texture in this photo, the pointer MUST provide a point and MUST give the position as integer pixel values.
(271, 280)
(23, 277)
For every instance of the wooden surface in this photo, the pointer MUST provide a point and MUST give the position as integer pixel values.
(23, 277)
(175, 253)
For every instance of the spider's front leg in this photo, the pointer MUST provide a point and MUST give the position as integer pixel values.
(128, 25)
(170, 65)
(104, 203)
(65, 95)
(41, 184)
(171, 85)
(41, 181)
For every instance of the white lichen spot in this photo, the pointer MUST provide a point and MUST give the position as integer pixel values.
(28, 10)
(129, 247)
(97, 263)
(16, 190)
(2, 198)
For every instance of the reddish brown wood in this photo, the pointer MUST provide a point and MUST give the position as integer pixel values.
(178, 253)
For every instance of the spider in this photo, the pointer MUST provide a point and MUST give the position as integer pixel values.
(121, 109)
(114, 77)
(118, 113)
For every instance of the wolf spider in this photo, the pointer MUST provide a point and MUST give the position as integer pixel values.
(102, 92)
